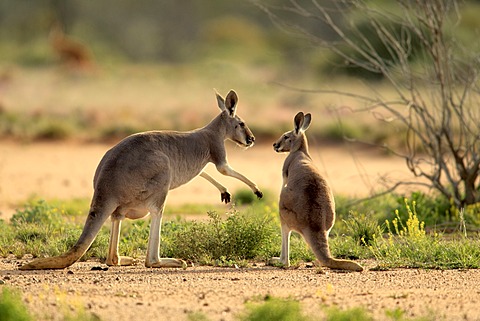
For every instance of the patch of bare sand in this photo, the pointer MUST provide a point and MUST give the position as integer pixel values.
(65, 170)
(135, 292)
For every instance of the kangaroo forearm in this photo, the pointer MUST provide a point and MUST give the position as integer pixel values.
(228, 171)
(225, 195)
(215, 183)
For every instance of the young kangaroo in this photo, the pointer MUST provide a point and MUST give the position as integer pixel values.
(71, 52)
(306, 201)
(134, 177)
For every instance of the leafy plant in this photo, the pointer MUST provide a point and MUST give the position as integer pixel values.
(362, 228)
(278, 309)
(42, 229)
(353, 314)
(238, 237)
(241, 236)
(197, 316)
(38, 212)
(431, 209)
(244, 196)
(12, 307)
(7, 236)
(274, 309)
(408, 245)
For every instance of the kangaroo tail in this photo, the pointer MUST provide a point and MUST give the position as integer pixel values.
(92, 226)
(318, 242)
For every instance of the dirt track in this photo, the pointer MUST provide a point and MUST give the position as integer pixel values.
(138, 293)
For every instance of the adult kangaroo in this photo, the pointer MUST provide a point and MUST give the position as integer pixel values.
(134, 177)
(306, 202)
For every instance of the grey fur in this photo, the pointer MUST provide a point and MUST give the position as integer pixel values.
(134, 177)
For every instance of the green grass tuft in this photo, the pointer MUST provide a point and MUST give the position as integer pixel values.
(12, 307)
(251, 233)
(274, 309)
(353, 314)
(277, 309)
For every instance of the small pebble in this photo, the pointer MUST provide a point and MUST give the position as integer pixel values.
(99, 268)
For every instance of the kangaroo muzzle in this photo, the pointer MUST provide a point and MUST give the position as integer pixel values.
(277, 147)
(250, 140)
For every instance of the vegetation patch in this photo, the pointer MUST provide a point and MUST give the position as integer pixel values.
(12, 307)
(278, 309)
(251, 233)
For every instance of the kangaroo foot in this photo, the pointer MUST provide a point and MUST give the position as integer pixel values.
(346, 265)
(277, 261)
(167, 263)
(120, 261)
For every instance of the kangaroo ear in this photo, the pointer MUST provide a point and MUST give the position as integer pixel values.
(220, 100)
(298, 122)
(231, 103)
(306, 122)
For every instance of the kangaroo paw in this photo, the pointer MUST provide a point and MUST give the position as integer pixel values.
(226, 197)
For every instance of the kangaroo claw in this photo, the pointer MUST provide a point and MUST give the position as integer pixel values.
(226, 197)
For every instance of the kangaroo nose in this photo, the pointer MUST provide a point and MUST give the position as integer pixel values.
(250, 139)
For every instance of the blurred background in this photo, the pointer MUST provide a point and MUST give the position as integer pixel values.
(147, 31)
(97, 71)
(107, 69)
(101, 70)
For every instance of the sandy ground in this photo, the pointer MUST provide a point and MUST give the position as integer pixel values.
(65, 170)
(135, 292)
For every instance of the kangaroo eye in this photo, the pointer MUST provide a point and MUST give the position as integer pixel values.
(242, 124)
(285, 137)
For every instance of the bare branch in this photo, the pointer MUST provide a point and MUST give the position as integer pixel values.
(437, 98)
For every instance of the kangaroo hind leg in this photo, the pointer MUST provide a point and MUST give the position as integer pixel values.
(113, 256)
(284, 258)
(153, 251)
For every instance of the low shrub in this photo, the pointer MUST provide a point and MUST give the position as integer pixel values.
(362, 228)
(240, 236)
(237, 237)
(408, 245)
(38, 212)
